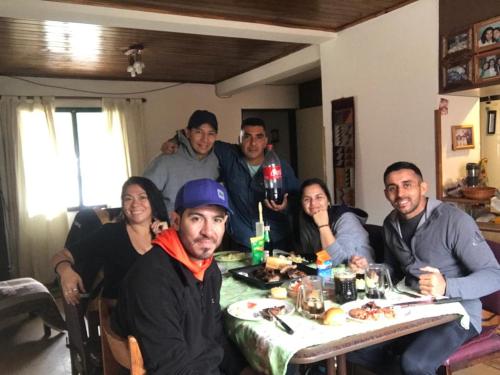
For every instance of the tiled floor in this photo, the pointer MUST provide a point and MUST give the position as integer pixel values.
(24, 351)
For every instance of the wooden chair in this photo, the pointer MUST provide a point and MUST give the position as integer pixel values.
(136, 361)
(481, 348)
(84, 342)
(117, 352)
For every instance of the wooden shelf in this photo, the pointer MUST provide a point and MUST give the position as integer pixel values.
(466, 201)
(489, 227)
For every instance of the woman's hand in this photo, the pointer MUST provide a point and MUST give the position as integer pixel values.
(158, 226)
(71, 284)
(321, 218)
(358, 263)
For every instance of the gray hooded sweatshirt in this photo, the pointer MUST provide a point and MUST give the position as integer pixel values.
(447, 239)
(170, 172)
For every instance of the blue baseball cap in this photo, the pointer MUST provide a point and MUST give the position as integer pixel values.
(201, 192)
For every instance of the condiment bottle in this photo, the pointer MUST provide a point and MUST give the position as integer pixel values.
(324, 270)
(324, 265)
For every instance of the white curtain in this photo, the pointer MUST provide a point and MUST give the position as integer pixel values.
(32, 180)
(126, 115)
(43, 223)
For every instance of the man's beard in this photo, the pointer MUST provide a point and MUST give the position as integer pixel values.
(205, 253)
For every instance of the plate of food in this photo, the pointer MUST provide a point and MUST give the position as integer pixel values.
(371, 310)
(272, 273)
(255, 308)
(292, 257)
(230, 256)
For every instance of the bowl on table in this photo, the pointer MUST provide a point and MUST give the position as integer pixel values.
(479, 192)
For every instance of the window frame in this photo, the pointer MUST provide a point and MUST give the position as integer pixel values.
(76, 144)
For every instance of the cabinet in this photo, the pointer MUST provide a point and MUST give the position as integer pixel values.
(490, 231)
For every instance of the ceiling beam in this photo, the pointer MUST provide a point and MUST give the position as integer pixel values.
(113, 17)
(295, 63)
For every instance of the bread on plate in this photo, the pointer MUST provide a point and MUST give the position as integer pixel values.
(334, 316)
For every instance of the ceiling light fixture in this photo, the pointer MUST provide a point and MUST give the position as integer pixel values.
(135, 64)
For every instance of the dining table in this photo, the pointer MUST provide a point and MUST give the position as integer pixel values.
(269, 349)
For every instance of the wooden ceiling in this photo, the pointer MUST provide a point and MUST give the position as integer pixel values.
(53, 49)
(331, 15)
(43, 48)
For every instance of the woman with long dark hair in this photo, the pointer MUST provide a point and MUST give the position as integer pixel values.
(487, 37)
(338, 229)
(115, 246)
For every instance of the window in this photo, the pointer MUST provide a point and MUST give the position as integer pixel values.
(84, 147)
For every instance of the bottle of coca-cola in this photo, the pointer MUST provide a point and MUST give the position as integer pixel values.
(273, 180)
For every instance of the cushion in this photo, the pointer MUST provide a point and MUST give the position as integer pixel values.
(487, 342)
(27, 295)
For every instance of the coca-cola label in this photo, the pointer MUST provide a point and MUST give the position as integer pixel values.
(272, 172)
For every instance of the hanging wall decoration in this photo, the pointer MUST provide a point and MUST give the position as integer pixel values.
(343, 150)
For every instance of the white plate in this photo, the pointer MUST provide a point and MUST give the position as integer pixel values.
(379, 302)
(230, 256)
(250, 309)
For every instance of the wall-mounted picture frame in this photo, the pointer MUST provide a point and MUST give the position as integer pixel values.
(457, 74)
(487, 34)
(491, 122)
(462, 137)
(487, 66)
(456, 43)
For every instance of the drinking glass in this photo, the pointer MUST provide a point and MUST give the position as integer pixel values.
(310, 297)
(345, 286)
(377, 279)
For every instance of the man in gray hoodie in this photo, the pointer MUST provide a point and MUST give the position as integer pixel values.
(194, 159)
(440, 251)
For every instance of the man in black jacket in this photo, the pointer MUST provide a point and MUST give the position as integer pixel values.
(170, 298)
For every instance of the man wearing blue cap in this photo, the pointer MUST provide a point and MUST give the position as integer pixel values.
(194, 159)
(170, 298)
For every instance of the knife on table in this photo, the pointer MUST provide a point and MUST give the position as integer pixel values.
(268, 314)
(285, 326)
(428, 301)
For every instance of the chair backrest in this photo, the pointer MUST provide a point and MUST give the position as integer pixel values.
(86, 222)
(376, 238)
(491, 302)
(83, 342)
(115, 351)
(136, 361)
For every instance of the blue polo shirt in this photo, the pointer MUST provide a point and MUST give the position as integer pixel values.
(245, 192)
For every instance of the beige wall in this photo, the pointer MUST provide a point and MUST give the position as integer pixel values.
(490, 143)
(390, 65)
(169, 109)
(461, 111)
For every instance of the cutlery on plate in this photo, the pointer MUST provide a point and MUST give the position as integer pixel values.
(405, 292)
(285, 326)
(268, 314)
(428, 301)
